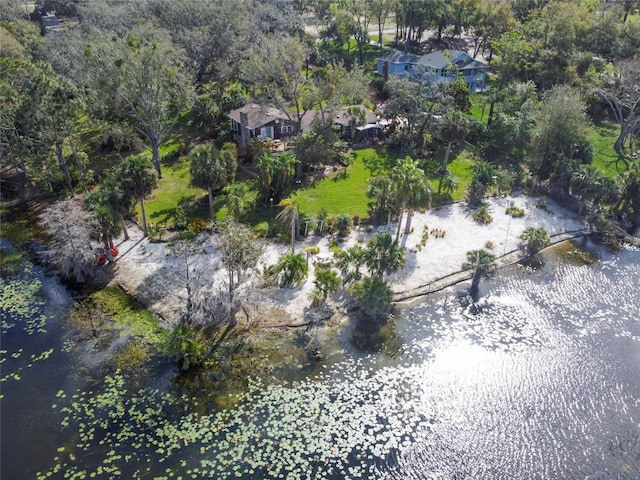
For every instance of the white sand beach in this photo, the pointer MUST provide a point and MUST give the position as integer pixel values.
(157, 277)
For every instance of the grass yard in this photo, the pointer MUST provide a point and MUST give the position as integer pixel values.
(338, 193)
(460, 163)
(174, 190)
(460, 167)
(603, 136)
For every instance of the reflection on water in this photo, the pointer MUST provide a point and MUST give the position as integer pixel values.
(540, 379)
(542, 382)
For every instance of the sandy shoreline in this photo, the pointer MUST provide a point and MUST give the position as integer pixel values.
(157, 278)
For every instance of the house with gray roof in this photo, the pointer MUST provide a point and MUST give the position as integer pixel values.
(265, 122)
(441, 65)
(259, 121)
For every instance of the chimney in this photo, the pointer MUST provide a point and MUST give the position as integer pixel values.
(244, 129)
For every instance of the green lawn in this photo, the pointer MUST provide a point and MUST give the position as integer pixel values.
(603, 136)
(339, 193)
(336, 193)
(174, 190)
(460, 163)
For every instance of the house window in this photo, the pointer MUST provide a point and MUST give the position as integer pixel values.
(266, 132)
(234, 126)
(286, 129)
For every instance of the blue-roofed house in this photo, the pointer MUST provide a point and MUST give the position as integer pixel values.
(441, 65)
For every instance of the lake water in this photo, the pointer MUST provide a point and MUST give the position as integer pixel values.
(539, 379)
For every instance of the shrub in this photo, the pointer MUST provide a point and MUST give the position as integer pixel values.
(330, 224)
(180, 219)
(155, 231)
(425, 236)
(197, 225)
(482, 215)
(119, 139)
(515, 211)
(343, 225)
(313, 250)
(292, 268)
(188, 235)
(261, 230)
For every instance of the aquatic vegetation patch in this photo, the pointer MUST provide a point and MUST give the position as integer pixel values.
(131, 356)
(21, 306)
(317, 428)
(11, 262)
(572, 253)
(124, 310)
(22, 312)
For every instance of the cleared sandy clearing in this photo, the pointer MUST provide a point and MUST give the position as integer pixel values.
(157, 277)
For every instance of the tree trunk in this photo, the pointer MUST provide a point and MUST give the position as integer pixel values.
(144, 217)
(63, 166)
(618, 146)
(446, 157)
(124, 230)
(211, 213)
(155, 150)
(293, 233)
(407, 228)
(491, 107)
(400, 220)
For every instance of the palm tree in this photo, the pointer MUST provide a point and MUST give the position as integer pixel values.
(292, 268)
(110, 205)
(483, 177)
(291, 214)
(285, 171)
(326, 282)
(356, 117)
(275, 171)
(212, 169)
(534, 239)
(235, 193)
(420, 196)
(138, 178)
(448, 184)
(454, 128)
(483, 264)
(411, 186)
(374, 296)
(349, 262)
(383, 255)
(382, 196)
(265, 166)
